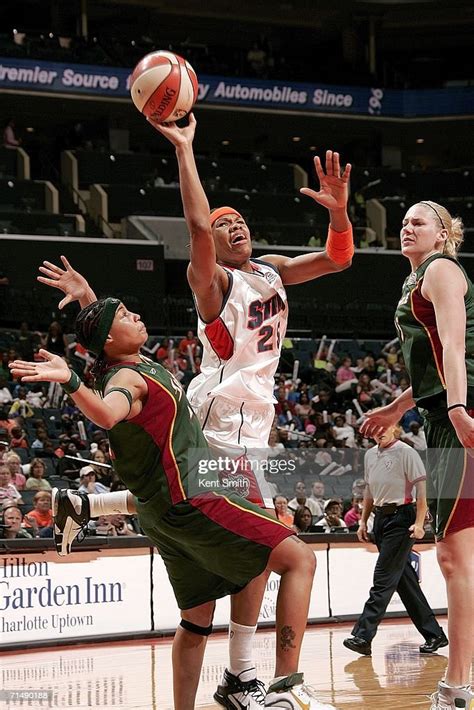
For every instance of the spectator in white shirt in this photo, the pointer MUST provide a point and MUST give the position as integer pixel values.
(332, 515)
(343, 431)
(301, 499)
(5, 394)
(88, 482)
(317, 496)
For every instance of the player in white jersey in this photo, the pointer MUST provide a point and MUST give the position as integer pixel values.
(233, 394)
(242, 309)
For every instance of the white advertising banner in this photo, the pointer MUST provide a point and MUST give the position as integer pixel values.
(45, 597)
(351, 569)
(166, 611)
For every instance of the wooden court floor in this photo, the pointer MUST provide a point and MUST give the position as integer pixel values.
(137, 675)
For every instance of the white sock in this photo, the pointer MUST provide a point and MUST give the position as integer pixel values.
(108, 503)
(456, 687)
(240, 649)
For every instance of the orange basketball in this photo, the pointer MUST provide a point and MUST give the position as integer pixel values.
(164, 86)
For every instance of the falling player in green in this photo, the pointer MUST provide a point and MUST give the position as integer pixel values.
(435, 322)
(213, 543)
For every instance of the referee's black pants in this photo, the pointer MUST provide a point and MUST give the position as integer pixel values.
(393, 572)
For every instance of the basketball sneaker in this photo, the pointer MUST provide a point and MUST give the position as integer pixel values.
(291, 693)
(71, 513)
(240, 691)
(448, 698)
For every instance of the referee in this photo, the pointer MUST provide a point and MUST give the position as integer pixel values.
(392, 470)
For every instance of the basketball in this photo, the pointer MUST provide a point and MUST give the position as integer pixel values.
(164, 86)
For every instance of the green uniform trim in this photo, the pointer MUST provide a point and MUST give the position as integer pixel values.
(125, 392)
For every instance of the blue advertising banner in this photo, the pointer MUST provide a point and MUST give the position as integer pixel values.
(31, 75)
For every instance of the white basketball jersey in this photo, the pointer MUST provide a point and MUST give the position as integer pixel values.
(241, 347)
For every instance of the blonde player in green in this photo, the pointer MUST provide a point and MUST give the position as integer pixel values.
(435, 322)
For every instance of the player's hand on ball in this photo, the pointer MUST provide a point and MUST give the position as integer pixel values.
(67, 280)
(333, 184)
(176, 135)
(54, 369)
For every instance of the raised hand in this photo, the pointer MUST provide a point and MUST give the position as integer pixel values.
(333, 186)
(176, 135)
(67, 280)
(54, 369)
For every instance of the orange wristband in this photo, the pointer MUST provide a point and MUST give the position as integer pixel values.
(340, 245)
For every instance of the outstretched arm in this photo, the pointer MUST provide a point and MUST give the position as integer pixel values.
(207, 279)
(69, 281)
(106, 412)
(380, 419)
(333, 195)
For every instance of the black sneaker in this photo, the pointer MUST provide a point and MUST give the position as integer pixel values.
(71, 513)
(432, 644)
(359, 645)
(239, 692)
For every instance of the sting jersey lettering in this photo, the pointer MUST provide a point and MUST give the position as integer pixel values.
(242, 345)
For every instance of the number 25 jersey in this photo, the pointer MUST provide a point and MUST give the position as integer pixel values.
(241, 347)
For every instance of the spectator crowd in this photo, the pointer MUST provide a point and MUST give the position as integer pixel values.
(46, 441)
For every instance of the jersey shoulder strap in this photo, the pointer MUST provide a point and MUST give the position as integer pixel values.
(143, 367)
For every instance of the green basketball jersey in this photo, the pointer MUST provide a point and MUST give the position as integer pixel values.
(421, 346)
(152, 452)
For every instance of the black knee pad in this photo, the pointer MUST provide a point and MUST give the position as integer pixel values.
(195, 629)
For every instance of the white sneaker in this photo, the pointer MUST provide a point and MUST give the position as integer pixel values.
(448, 698)
(290, 693)
(243, 691)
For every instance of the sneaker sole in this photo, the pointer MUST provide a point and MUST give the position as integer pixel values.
(356, 650)
(60, 537)
(57, 535)
(222, 700)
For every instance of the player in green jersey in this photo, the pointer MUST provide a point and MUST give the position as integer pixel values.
(435, 322)
(213, 543)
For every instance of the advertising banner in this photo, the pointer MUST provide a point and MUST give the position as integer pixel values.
(351, 569)
(43, 597)
(54, 77)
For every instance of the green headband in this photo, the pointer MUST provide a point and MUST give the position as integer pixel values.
(99, 337)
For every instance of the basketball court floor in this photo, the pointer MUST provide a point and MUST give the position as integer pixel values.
(137, 674)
